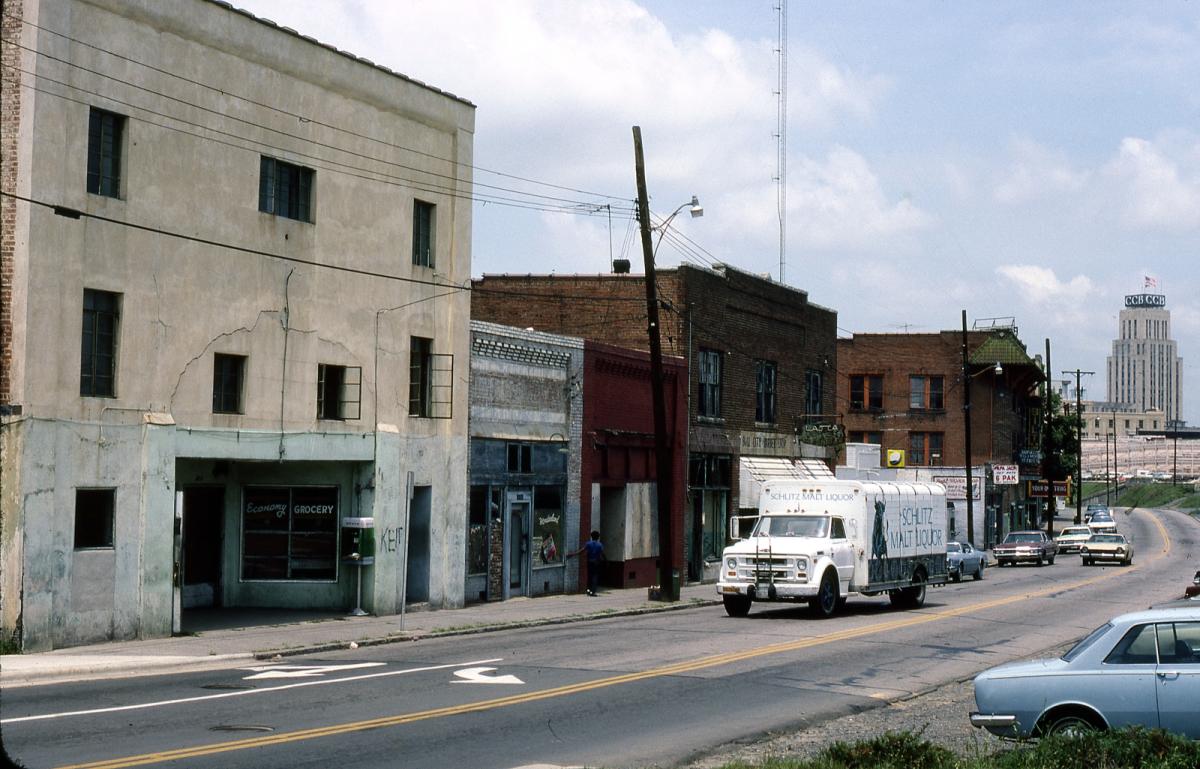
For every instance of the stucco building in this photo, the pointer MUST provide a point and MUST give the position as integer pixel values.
(230, 321)
(1145, 369)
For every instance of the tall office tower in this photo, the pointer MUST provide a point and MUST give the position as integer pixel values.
(1144, 369)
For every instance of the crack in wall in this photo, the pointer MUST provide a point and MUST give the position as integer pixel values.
(223, 335)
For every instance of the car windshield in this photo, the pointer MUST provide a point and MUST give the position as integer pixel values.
(1022, 538)
(792, 526)
(1101, 517)
(1107, 538)
(953, 547)
(1090, 639)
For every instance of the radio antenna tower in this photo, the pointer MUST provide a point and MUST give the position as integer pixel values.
(781, 139)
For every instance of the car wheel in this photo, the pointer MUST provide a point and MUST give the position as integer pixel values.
(736, 605)
(825, 602)
(979, 571)
(1040, 560)
(1051, 560)
(1071, 725)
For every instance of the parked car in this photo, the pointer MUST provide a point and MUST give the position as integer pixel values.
(1102, 522)
(1193, 590)
(1139, 669)
(1070, 538)
(1019, 546)
(1107, 547)
(962, 559)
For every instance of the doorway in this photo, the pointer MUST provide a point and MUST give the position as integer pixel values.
(516, 542)
(203, 537)
(417, 579)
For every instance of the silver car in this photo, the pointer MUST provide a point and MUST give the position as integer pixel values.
(962, 559)
(1139, 669)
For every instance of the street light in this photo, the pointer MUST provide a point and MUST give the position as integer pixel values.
(694, 208)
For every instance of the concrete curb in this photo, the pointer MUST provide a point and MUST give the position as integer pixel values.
(293, 651)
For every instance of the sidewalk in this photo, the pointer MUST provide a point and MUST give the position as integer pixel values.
(229, 647)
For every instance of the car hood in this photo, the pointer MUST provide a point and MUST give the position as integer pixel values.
(1024, 669)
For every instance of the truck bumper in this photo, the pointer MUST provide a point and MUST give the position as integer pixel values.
(782, 590)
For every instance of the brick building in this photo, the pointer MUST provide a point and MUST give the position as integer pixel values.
(619, 476)
(761, 362)
(905, 392)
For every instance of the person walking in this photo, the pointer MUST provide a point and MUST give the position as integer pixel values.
(595, 557)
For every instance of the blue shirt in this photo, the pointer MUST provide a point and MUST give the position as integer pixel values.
(595, 550)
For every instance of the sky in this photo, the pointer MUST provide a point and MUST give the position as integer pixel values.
(1026, 160)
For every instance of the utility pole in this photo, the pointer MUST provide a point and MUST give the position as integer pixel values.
(1046, 446)
(966, 377)
(663, 453)
(1079, 445)
(1106, 470)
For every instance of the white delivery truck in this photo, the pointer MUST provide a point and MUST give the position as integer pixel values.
(823, 540)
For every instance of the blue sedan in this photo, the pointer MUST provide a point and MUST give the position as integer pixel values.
(1138, 669)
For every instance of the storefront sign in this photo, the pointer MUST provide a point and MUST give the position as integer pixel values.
(956, 486)
(289, 533)
(1042, 488)
(762, 444)
(1005, 475)
(1030, 457)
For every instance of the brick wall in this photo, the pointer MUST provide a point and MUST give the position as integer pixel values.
(10, 120)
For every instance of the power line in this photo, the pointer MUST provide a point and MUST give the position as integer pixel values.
(299, 117)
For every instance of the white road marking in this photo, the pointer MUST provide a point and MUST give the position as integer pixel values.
(480, 676)
(241, 693)
(303, 671)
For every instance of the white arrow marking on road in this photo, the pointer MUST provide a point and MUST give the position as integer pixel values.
(480, 676)
(303, 671)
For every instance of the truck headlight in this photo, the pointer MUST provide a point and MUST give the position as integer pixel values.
(731, 563)
(801, 564)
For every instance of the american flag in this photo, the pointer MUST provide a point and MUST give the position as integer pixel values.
(1151, 282)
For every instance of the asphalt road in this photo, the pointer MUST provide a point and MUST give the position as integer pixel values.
(658, 689)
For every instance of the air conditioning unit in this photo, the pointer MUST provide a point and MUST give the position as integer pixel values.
(895, 457)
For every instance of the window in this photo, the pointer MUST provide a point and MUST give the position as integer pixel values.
(862, 436)
(423, 222)
(926, 393)
(813, 383)
(764, 407)
(94, 518)
(710, 383)
(98, 361)
(547, 525)
(477, 530)
(837, 529)
(866, 392)
(339, 389)
(290, 533)
(285, 189)
(105, 135)
(420, 377)
(1179, 643)
(520, 458)
(1138, 647)
(925, 449)
(228, 373)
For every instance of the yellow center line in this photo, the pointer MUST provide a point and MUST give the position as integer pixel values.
(686, 666)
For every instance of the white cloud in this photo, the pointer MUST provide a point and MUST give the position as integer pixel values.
(1152, 192)
(1039, 285)
(1037, 173)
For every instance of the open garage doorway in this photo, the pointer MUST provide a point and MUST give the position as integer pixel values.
(203, 539)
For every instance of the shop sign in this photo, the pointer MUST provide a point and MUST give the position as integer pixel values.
(1042, 488)
(1005, 475)
(956, 486)
(763, 444)
(823, 434)
(1030, 456)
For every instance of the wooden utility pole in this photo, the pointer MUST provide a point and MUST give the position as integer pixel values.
(1046, 418)
(663, 453)
(966, 376)
(1079, 445)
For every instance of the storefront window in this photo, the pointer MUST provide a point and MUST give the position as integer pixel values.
(547, 526)
(477, 531)
(289, 533)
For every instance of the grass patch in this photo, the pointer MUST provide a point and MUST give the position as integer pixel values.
(1133, 748)
(1154, 495)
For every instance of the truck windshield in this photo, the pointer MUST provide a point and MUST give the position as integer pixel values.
(792, 526)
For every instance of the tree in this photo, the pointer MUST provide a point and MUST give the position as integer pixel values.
(1062, 450)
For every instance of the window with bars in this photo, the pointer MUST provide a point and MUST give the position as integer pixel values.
(106, 134)
(709, 378)
(339, 391)
(764, 407)
(423, 241)
(285, 189)
(228, 374)
(98, 359)
(866, 392)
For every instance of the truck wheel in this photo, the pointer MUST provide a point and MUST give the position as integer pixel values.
(736, 605)
(825, 602)
(910, 597)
